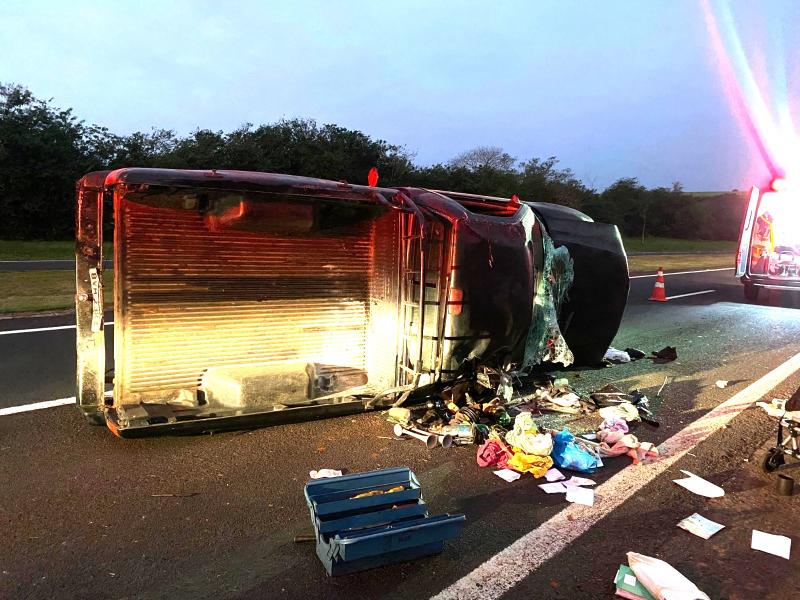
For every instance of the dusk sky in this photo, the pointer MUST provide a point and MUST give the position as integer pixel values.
(612, 88)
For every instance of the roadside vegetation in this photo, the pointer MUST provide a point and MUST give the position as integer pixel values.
(43, 250)
(35, 291)
(634, 245)
(44, 149)
(646, 264)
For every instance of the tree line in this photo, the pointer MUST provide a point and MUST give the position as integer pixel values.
(45, 149)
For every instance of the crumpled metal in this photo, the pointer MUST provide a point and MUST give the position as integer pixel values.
(527, 438)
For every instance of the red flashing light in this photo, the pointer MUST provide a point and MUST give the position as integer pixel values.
(372, 178)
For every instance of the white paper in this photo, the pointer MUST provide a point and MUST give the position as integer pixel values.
(554, 475)
(629, 580)
(323, 473)
(700, 526)
(553, 488)
(508, 475)
(662, 580)
(722, 383)
(580, 495)
(779, 545)
(700, 486)
(579, 481)
(570, 399)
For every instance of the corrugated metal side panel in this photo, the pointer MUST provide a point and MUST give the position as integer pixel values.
(192, 298)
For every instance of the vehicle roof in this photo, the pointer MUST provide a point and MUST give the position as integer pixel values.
(230, 179)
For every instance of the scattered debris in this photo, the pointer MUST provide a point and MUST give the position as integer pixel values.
(527, 438)
(572, 453)
(700, 526)
(779, 545)
(580, 495)
(576, 481)
(666, 354)
(624, 411)
(554, 487)
(698, 485)
(554, 475)
(630, 587)
(635, 354)
(663, 580)
(508, 475)
(617, 356)
(784, 485)
(661, 389)
(323, 473)
(428, 439)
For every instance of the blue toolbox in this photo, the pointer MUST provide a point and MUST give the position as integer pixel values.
(371, 519)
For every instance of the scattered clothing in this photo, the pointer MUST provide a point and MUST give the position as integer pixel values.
(617, 356)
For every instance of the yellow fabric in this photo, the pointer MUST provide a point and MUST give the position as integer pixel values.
(529, 463)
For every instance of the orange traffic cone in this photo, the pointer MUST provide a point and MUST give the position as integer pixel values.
(659, 291)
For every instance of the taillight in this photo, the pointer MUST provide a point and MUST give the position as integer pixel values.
(455, 302)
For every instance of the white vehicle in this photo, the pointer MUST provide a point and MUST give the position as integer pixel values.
(769, 243)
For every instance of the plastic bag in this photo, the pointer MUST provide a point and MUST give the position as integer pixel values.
(527, 438)
(663, 580)
(569, 455)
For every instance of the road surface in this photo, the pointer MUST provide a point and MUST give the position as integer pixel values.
(84, 514)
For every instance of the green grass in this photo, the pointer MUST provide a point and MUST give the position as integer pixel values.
(36, 250)
(656, 244)
(31, 291)
(18, 250)
(649, 263)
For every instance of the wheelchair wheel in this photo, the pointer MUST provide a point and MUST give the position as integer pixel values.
(773, 460)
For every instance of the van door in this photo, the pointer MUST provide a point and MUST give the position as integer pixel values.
(743, 256)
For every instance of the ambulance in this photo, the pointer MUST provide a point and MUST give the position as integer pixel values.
(769, 243)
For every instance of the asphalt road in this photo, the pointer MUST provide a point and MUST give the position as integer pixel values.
(83, 513)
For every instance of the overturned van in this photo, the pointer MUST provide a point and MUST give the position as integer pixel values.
(243, 299)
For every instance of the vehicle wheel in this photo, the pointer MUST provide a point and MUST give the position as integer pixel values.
(750, 292)
(773, 460)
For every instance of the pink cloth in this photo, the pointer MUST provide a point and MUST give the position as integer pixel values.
(611, 432)
(492, 453)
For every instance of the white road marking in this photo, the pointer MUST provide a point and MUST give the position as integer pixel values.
(683, 273)
(37, 329)
(691, 294)
(12, 410)
(510, 566)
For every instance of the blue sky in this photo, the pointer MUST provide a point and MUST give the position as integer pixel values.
(611, 88)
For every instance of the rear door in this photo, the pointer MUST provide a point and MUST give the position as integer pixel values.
(743, 255)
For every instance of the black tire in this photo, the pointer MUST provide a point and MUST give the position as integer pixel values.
(773, 460)
(751, 292)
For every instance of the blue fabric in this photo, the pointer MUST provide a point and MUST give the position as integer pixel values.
(569, 455)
